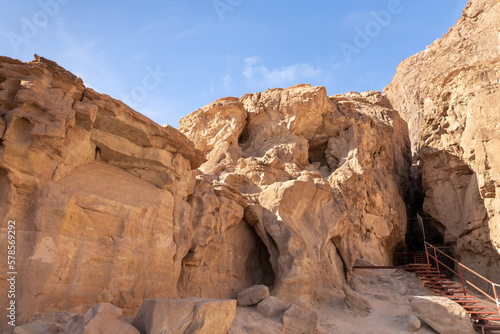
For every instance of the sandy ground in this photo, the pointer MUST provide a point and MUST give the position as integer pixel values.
(386, 290)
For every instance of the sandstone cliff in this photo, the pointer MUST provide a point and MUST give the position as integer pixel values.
(292, 187)
(109, 206)
(449, 95)
(325, 178)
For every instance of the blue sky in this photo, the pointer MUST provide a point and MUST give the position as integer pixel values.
(169, 58)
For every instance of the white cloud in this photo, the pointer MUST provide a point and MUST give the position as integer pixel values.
(227, 81)
(278, 77)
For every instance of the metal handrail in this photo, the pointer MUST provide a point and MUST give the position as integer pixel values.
(460, 275)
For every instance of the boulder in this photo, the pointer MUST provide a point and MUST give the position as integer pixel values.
(191, 315)
(271, 306)
(355, 301)
(414, 323)
(48, 323)
(252, 295)
(442, 314)
(297, 320)
(102, 319)
(36, 327)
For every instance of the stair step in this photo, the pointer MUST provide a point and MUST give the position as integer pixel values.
(474, 307)
(446, 288)
(481, 312)
(459, 297)
(486, 319)
(490, 327)
(467, 301)
(447, 294)
(442, 283)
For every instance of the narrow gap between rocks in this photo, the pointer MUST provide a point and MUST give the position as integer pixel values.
(414, 238)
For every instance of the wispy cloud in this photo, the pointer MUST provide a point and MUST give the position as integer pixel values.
(257, 73)
(192, 31)
(150, 29)
(227, 81)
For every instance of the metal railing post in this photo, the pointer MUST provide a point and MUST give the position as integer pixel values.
(427, 252)
(496, 297)
(436, 259)
(462, 279)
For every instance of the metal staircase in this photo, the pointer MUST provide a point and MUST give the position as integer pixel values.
(484, 318)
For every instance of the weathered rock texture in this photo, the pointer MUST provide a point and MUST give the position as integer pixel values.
(293, 186)
(190, 316)
(108, 205)
(102, 319)
(324, 177)
(442, 314)
(449, 96)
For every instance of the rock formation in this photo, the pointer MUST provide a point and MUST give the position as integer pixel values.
(323, 189)
(109, 206)
(283, 191)
(449, 96)
(293, 186)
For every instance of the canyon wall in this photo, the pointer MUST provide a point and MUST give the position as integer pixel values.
(449, 95)
(285, 188)
(108, 205)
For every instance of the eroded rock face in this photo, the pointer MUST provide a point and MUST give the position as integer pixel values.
(107, 203)
(102, 319)
(192, 315)
(449, 96)
(293, 187)
(322, 188)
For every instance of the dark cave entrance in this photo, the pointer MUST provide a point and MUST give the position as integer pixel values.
(259, 268)
(419, 226)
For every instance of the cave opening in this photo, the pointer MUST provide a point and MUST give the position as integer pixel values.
(420, 227)
(259, 268)
(244, 137)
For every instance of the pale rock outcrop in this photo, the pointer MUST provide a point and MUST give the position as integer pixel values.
(107, 203)
(102, 319)
(442, 314)
(252, 295)
(179, 316)
(355, 301)
(297, 320)
(222, 242)
(216, 128)
(449, 96)
(323, 189)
